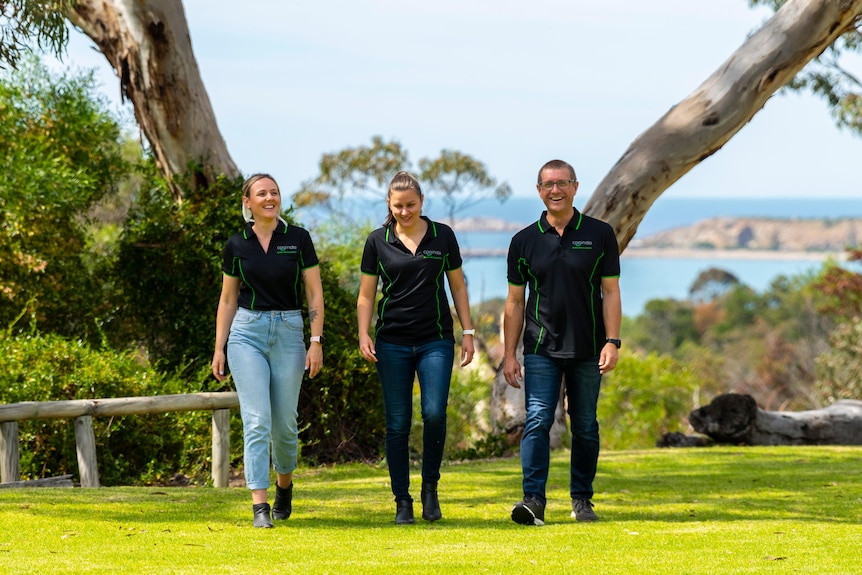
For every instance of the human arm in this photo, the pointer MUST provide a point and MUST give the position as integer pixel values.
(227, 305)
(612, 314)
(364, 313)
(314, 297)
(513, 325)
(458, 287)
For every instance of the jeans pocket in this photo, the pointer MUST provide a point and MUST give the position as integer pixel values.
(293, 321)
(245, 316)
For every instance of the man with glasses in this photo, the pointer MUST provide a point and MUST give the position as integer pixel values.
(571, 333)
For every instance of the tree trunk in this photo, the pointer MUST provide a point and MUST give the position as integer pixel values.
(148, 44)
(734, 418)
(702, 123)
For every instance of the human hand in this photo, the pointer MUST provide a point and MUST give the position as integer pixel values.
(314, 359)
(467, 350)
(608, 358)
(512, 372)
(218, 365)
(366, 348)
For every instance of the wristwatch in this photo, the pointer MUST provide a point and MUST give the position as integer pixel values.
(316, 338)
(616, 342)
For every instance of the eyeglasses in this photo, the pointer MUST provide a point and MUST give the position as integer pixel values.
(562, 184)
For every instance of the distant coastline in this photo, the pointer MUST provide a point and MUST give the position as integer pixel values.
(735, 254)
(692, 254)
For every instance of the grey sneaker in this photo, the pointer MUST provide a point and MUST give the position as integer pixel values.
(582, 510)
(530, 511)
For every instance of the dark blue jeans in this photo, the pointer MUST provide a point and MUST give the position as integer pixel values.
(397, 367)
(542, 380)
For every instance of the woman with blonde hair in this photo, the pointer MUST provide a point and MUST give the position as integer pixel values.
(265, 268)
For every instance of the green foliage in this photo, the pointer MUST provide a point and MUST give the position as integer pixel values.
(60, 152)
(455, 173)
(711, 284)
(839, 369)
(340, 243)
(644, 398)
(363, 173)
(341, 410)
(168, 270)
(827, 77)
(764, 344)
(663, 326)
(24, 22)
(129, 449)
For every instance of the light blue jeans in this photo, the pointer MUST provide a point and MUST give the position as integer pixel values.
(266, 355)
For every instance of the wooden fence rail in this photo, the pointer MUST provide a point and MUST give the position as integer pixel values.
(83, 411)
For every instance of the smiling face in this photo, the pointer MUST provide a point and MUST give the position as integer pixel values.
(556, 200)
(263, 199)
(405, 207)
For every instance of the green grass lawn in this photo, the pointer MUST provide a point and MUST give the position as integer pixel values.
(713, 510)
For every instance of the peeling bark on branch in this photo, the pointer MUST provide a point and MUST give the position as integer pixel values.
(148, 44)
(702, 123)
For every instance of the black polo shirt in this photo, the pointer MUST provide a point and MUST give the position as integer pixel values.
(414, 309)
(563, 316)
(271, 280)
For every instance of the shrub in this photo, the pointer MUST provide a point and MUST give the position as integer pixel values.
(129, 449)
(644, 398)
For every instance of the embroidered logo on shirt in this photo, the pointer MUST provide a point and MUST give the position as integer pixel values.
(286, 249)
(582, 244)
(432, 253)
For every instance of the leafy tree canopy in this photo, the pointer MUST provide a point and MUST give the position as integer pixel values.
(60, 152)
(828, 78)
(363, 173)
(25, 22)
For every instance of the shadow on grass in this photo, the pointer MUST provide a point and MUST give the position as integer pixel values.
(685, 486)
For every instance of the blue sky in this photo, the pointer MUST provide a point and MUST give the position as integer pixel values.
(511, 83)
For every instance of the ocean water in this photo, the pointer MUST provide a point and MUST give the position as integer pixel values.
(643, 279)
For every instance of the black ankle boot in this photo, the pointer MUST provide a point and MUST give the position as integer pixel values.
(430, 502)
(261, 515)
(404, 512)
(283, 506)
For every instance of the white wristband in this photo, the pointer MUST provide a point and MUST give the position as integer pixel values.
(469, 332)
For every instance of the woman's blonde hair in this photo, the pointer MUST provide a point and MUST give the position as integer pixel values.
(246, 192)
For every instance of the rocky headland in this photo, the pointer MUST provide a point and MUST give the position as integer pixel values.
(775, 238)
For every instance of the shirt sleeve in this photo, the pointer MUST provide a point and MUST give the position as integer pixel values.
(455, 260)
(228, 260)
(514, 271)
(368, 265)
(307, 252)
(611, 261)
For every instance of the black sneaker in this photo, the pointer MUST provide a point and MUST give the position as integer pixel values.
(582, 510)
(530, 511)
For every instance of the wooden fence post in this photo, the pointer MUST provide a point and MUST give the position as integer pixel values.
(85, 441)
(221, 447)
(9, 455)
